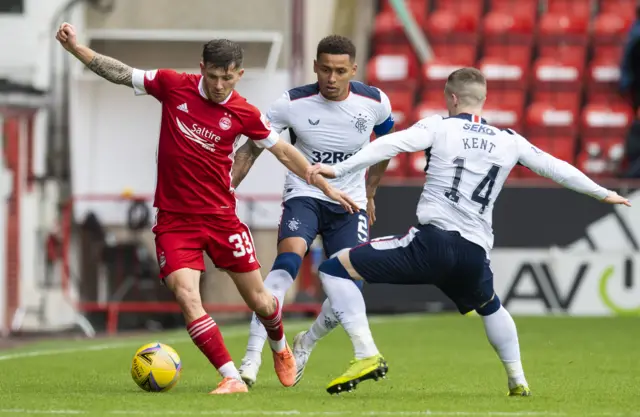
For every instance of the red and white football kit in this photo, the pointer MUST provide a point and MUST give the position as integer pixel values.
(196, 204)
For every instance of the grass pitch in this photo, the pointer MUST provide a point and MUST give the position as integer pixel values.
(439, 365)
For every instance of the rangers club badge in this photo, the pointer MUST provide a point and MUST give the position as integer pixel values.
(225, 123)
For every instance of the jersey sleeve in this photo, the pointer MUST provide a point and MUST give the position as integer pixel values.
(278, 114)
(384, 121)
(153, 82)
(418, 137)
(257, 127)
(556, 169)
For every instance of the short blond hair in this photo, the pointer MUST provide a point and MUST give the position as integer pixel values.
(468, 84)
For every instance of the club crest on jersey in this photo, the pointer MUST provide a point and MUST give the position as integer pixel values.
(293, 224)
(162, 260)
(360, 122)
(225, 123)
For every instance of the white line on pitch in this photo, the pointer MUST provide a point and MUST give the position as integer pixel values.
(232, 333)
(433, 413)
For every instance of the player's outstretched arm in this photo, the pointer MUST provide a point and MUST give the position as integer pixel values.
(291, 158)
(108, 68)
(417, 138)
(244, 159)
(564, 173)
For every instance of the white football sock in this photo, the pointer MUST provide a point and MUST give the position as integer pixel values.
(349, 308)
(229, 370)
(503, 336)
(324, 324)
(278, 282)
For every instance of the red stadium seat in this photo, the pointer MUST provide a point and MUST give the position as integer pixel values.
(396, 68)
(504, 108)
(436, 72)
(516, 53)
(557, 82)
(503, 73)
(451, 27)
(601, 157)
(508, 35)
(574, 54)
(387, 27)
(402, 103)
(611, 28)
(471, 7)
(573, 7)
(546, 120)
(613, 52)
(603, 75)
(460, 53)
(623, 7)
(605, 120)
(506, 23)
(563, 35)
(520, 7)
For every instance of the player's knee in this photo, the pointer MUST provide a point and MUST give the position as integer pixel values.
(491, 307)
(188, 297)
(334, 268)
(263, 304)
(289, 262)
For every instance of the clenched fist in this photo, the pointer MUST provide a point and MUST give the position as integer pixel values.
(66, 35)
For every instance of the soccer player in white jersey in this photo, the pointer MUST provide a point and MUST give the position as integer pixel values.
(328, 121)
(468, 162)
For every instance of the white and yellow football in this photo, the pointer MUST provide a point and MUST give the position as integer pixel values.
(156, 367)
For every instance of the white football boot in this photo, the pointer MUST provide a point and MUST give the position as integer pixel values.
(249, 371)
(301, 353)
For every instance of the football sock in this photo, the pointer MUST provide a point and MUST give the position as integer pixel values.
(275, 329)
(348, 306)
(503, 336)
(206, 335)
(324, 324)
(278, 282)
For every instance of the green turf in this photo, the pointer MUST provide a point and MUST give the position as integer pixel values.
(437, 364)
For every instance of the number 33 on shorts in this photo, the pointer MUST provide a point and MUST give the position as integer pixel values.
(243, 245)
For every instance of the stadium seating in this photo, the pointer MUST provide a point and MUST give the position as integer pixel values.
(552, 68)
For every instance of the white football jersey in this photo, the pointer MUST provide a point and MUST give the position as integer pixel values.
(468, 162)
(330, 132)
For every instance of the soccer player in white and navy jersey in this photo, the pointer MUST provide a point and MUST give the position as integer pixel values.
(328, 122)
(468, 162)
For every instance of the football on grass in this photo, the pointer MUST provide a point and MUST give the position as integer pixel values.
(156, 367)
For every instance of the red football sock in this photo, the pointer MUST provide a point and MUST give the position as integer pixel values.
(273, 323)
(206, 335)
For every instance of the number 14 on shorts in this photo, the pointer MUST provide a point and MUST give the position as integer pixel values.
(243, 245)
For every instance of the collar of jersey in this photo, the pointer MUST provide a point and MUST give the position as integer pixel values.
(204, 94)
(469, 117)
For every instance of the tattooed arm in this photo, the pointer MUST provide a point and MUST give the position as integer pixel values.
(108, 68)
(246, 155)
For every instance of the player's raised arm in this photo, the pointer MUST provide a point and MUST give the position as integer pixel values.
(563, 173)
(108, 68)
(417, 138)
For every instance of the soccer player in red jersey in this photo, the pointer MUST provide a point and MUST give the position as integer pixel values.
(202, 119)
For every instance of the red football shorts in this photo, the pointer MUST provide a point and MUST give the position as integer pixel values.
(182, 238)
